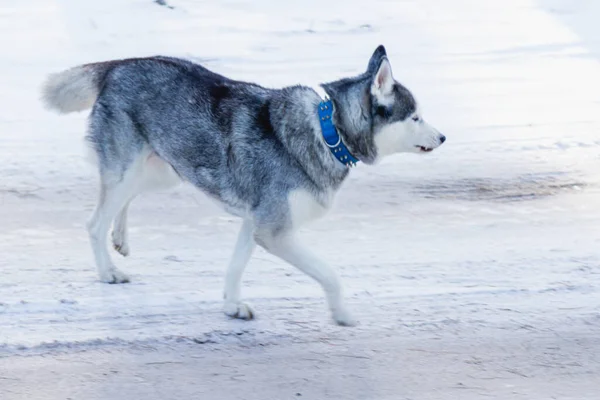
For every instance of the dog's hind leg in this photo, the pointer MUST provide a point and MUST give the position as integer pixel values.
(155, 174)
(119, 232)
(115, 193)
(244, 248)
(286, 247)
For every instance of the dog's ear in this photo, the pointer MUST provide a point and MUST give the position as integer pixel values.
(375, 60)
(383, 80)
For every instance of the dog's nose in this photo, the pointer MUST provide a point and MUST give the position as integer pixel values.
(442, 138)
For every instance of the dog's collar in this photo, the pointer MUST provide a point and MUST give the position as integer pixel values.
(332, 138)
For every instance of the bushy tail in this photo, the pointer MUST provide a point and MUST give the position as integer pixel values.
(75, 89)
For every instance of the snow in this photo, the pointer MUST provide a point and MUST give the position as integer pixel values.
(474, 270)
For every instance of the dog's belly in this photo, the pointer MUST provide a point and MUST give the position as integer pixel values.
(159, 174)
(211, 181)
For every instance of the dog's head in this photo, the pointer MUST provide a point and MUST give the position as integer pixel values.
(377, 116)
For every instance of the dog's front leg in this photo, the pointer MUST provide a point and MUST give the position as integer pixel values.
(244, 247)
(289, 249)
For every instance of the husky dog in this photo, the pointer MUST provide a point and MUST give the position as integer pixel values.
(274, 157)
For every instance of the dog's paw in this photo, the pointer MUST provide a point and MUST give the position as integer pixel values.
(113, 275)
(343, 317)
(120, 244)
(238, 310)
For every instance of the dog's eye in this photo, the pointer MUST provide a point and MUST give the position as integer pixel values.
(416, 118)
(383, 112)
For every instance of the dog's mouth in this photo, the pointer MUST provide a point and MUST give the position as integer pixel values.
(424, 149)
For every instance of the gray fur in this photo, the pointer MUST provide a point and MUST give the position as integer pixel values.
(242, 144)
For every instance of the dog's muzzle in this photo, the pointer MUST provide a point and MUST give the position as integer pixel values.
(424, 149)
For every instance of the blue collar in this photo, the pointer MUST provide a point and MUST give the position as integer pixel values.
(332, 138)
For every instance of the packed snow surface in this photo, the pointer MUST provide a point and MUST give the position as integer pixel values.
(474, 270)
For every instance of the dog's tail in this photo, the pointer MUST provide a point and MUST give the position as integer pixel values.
(75, 89)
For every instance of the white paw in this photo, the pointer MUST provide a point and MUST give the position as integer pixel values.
(343, 317)
(238, 310)
(113, 275)
(120, 243)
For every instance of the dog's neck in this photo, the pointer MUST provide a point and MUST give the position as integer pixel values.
(350, 97)
(332, 138)
(296, 107)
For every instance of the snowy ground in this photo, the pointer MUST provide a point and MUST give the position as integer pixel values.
(475, 270)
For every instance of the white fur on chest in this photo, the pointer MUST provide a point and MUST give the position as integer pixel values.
(305, 207)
